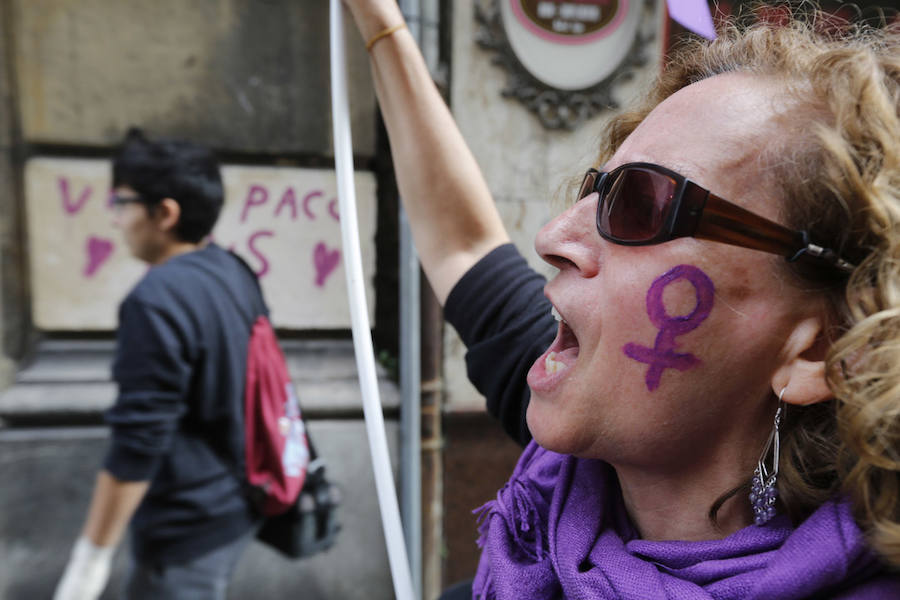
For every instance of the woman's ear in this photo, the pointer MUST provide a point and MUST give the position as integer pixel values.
(167, 214)
(803, 371)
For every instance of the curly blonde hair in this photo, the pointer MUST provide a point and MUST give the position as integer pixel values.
(838, 166)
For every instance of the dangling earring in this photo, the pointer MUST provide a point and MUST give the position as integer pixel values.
(762, 491)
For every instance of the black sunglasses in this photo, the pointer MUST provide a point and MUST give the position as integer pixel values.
(642, 204)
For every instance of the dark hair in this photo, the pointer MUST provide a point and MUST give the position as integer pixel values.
(185, 172)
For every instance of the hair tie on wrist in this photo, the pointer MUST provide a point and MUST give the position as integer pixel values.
(383, 33)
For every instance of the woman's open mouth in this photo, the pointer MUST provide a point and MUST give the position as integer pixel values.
(561, 355)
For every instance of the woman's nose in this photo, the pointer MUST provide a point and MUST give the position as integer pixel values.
(571, 240)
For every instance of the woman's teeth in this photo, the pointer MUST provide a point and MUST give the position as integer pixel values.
(556, 314)
(551, 365)
(566, 340)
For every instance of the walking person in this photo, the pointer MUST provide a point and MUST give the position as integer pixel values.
(177, 429)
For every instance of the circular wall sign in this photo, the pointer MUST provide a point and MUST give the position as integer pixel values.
(570, 44)
(569, 22)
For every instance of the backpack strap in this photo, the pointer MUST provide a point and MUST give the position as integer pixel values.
(229, 293)
(248, 268)
(313, 455)
(251, 319)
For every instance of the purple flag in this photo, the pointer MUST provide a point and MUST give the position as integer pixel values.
(694, 16)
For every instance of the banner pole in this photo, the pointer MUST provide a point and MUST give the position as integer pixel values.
(362, 337)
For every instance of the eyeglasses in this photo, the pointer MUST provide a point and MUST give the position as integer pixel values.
(641, 204)
(117, 200)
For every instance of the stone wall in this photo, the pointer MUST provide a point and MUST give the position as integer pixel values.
(234, 74)
(249, 79)
(529, 169)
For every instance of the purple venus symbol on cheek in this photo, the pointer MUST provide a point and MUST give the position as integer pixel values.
(662, 355)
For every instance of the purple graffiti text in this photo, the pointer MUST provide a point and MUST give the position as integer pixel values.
(69, 205)
(257, 253)
(310, 206)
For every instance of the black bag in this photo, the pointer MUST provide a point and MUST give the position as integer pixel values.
(309, 526)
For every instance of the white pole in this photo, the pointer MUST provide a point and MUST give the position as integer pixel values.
(362, 337)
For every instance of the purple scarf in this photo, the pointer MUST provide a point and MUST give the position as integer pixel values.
(559, 529)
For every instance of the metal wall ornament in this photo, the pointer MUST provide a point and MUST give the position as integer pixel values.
(564, 58)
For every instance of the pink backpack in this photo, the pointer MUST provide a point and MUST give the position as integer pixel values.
(286, 479)
(275, 445)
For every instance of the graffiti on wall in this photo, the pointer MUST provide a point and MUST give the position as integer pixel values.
(283, 221)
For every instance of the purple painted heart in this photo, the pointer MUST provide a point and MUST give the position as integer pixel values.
(98, 251)
(325, 261)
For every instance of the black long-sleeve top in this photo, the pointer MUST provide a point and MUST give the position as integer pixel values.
(178, 419)
(497, 305)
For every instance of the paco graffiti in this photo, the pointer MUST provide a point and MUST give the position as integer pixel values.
(324, 260)
(283, 221)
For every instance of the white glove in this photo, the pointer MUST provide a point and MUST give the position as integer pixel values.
(87, 572)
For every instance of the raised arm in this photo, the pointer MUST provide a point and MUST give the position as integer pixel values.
(450, 209)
